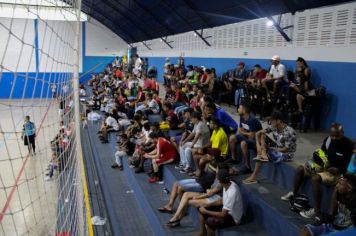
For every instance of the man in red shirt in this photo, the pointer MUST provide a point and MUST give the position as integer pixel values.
(164, 153)
(119, 74)
(147, 84)
(257, 75)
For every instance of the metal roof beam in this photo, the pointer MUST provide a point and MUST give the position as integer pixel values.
(164, 39)
(280, 29)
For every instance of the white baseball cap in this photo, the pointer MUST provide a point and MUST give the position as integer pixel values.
(276, 58)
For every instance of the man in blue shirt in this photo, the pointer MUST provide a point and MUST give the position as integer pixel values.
(249, 126)
(225, 120)
(29, 135)
(351, 169)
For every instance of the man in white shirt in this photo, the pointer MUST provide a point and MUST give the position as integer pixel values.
(138, 64)
(110, 125)
(276, 77)
(232, 208)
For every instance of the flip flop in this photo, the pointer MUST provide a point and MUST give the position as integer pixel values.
(261, 159)
(249, 181)
(165, 210)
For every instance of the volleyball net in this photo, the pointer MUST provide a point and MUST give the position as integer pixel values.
(42, 178)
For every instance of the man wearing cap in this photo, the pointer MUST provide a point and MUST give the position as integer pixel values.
(227, 215)
(276, 77)
(239, 77)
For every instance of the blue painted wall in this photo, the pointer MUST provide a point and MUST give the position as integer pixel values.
(30, 85)
(338, 77)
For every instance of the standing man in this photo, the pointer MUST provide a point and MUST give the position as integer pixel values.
(29, 135)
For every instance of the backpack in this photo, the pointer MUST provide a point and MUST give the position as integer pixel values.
(299, 203)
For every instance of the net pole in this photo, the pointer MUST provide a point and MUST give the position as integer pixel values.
(77, 118)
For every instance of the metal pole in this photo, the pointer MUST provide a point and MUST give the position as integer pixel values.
(77, 120)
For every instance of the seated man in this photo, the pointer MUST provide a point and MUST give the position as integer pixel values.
(277, 143)
(187, 127)
(164, 153)
(199, 185)
(227, 215)
(338, 150)
(226, 121)
(121, 152)
(212, 197)
(256, 76)
(246, 137)
(170, 116)
(276, 77)
(343, 209)
(197, 139)
(109, 125)
(218, 147)
(150, 106)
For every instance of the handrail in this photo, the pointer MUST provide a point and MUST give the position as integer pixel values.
(91, 69)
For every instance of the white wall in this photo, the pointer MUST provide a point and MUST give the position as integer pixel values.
(17, 49)
(55, 43)
(323, 34)
(100, 41)
(56, 46)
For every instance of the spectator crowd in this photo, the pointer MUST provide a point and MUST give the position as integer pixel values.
(186, 127)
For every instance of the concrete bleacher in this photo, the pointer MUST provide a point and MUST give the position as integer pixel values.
(132, 202)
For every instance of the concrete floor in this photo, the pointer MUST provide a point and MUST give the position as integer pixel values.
(32, 207)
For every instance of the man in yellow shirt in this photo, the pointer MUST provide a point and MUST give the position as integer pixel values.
(217, 148)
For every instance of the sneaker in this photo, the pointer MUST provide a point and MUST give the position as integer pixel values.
(288, 196)
(132, 166)
(121, 168)
(179, 166)
(308, 214)
(114, 166)
(185, 170)
(153, 180)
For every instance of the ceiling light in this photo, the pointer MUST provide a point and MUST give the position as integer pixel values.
(269, 23)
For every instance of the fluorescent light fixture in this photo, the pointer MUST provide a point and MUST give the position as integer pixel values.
(269, 23)
(33, 9)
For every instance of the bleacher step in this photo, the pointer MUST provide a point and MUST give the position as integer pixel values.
(125, 215)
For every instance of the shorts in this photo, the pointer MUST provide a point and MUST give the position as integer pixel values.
(219, 223)
(213, 198)
(162, 161)
(320, 229)
(277, 157)
(328, 178)
(251, 143)
(190, 185)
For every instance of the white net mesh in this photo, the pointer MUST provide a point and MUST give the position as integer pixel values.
(41, 192)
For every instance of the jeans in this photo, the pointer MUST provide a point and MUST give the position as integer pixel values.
(118, 157)
(185, 153)
(239, 93)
